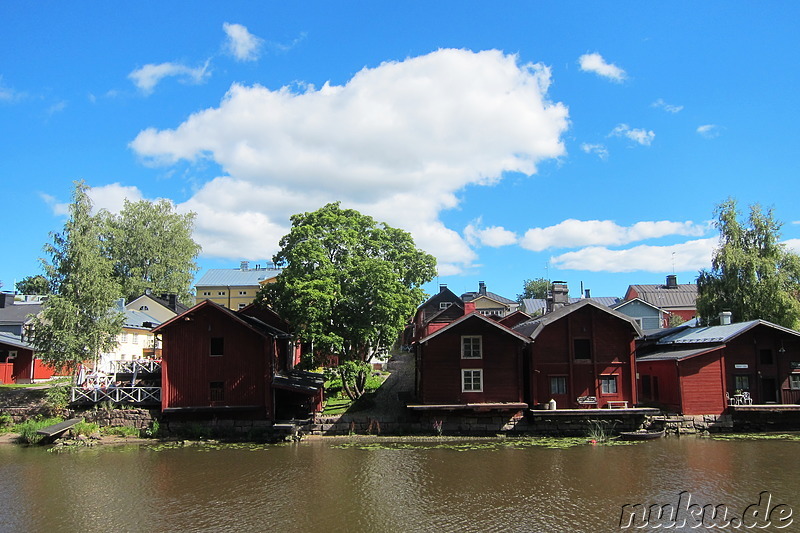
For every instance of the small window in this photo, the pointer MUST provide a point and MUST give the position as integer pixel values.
(242, 306)
(608, 384)
(765, 356)
(471, 347)
(445, 305)
(220, 293)
(206, 293)
(558, 384)
(472, 380)
(794, 381)
(583, 348)
(217, 391)
(135, 338)
(741, 383)
(144, 308)
(217, 346)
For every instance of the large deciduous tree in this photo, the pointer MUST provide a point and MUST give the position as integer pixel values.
(348, 283)
(534, 288)
(78, 320)
(151, 247)
(752, 274)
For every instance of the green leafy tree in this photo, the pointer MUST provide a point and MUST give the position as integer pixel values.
(752, 274)
(534, 288)
(348, 283)
(33, 285)
(77, 321)
(151, 247)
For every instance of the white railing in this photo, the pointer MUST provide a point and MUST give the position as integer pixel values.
(134, 395)
(140, 366)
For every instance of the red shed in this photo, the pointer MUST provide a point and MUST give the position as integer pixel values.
(690, 370)
(216, 360)
(472, 360)
(18, 362)
(581, 350)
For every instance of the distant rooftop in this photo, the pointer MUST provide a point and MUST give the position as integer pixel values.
(237, 277)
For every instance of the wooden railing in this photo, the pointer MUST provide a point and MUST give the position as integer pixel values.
(130, 395)
(140, 366)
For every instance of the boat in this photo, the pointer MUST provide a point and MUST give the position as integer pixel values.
(641, 435)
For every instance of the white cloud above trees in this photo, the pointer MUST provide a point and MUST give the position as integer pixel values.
(240, 43)
(397, 142)
(687, 256)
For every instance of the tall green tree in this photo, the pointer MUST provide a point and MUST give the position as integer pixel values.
(348, 283)
(534, 288)
(151, 247)
(752, 274)
(37, 284)
(78, 320)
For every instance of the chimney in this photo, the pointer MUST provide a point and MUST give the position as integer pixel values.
(558, 296)
(672, 281)
(469, 307)
(725, 318)
(7, 299)
(244, 265)
(481, 288)
(587, 294)
(442, 287)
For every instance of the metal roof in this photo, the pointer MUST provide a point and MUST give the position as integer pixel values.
(533, 327)
(476, 316)
(533, 305)
(19, 313)
(236, 277)
(718, 334)
(136, 319)
(677, 355)
(14, 340)
(682, 295)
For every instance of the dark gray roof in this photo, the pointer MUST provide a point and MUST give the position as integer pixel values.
(299, 381)
(14, 340)
(477, 316)
(533, 327)
(19, 313)
(236, 277)
(717, 334)
(469, 296)
(676, 355)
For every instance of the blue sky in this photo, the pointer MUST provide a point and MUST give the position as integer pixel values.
(583, 142)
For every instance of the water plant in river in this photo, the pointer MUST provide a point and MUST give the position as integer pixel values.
(600, 431)
(757, 436)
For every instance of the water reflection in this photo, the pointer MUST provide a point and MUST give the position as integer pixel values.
(317, 486)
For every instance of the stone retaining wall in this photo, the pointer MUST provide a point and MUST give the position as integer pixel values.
(691, 424)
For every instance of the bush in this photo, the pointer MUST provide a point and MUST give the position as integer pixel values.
(85, 428)
(6, 422)
(57, 397)
(120, 431)
(27, 430)
(153, 430)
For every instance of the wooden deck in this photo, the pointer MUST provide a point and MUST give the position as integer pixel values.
(118, 395)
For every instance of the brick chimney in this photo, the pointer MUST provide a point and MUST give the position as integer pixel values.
(558, 296)
(482, 288)
(672, 281)
(442, 287)
(469, 307)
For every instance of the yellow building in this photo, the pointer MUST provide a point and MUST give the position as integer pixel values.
(234, 288)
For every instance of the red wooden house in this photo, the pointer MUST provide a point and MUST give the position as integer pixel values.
(18, 362)
(582, 350)
(237, 363)
(701, 370)
(472, 362)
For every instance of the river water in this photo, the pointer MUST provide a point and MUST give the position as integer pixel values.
(385, 486)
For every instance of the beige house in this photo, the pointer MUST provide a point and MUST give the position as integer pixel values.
(234, 288)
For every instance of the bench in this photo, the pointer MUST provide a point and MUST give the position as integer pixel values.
(587, 401)
(55, 429)
(617, 404)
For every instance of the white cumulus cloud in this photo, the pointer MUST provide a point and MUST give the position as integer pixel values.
(397, 142)
(595, 63)
(493, 236)
(573, 233)
(109, 197)
(690, 255)
(147, 77)
(240, 43)
(640, 136)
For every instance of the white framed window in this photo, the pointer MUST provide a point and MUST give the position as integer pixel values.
(558, 384)
(471, 347)
(794, 381)
(242, 306)
(206, 293)
(242, 293)
(608, 384)
(220, 293)
(472, 380)
(135, 338)
(445, 305)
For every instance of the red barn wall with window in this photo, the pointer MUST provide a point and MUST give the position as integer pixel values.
(553, 354)
(188, 368)
(439, 362)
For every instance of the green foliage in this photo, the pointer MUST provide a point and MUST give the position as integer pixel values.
(57, 397)
(675, 320)
(534, 288)
(33, 285)
(27, 430)
(752, 274)
(153, 430)
(6, 422)
(85, 428)
(348, 283)
(77, 322)
(354, 378)
(120, 431)
(151, 247)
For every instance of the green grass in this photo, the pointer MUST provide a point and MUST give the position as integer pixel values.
(120, 431)
(27, 430)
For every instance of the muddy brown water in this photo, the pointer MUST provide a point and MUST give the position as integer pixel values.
(359, 485)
